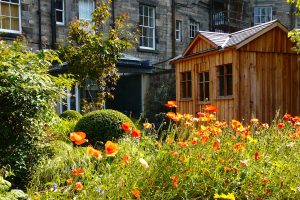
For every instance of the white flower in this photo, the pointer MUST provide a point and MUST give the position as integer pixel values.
(144, 163)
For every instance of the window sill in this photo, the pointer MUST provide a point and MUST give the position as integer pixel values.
(186, 99)
(60, 24)
(225, 97)
(141, 49)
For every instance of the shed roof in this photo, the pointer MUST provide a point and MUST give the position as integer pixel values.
(238, 39)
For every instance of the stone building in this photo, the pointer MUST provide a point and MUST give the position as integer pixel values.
(167, 27)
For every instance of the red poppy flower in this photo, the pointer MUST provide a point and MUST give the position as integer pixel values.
(216, 145)
(126, 127)
(227, 169)
(211, 108)
(256, 156)
(78, 186)
(136, 193)
(264, 180)
(136, 133)
(78, 171)
(287, 117)
(175, 181)
(204, 138)
(126, 158)
(280, 125)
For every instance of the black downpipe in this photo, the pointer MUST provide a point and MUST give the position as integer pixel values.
(173, 29)
(53, 24)
(40, 24)
(113, 13)
(211, 15)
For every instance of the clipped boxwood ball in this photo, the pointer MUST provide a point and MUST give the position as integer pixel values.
(70, 115)
(102, 125)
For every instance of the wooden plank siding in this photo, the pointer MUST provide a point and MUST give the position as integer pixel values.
(265, 72)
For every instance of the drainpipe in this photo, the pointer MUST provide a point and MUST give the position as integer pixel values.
(113, 13)
(211, 13)
(40, 24)
(53, 24)
(173, 29)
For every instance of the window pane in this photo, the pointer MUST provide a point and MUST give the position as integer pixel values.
(256, 19)
(189, 92)
(221, 71)
(229, 69)
(202, 94)
(189, 76)
(229, 85)
(221, 86)
(5, 23)
(15, 1)
(201, 77)
(5, 9)
(59, 4)
(59, 16)
(207, 91)
(256, 11)
(14, 10)
(15, 24)
(206, 76)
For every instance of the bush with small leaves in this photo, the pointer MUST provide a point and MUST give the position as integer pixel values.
(70, 115)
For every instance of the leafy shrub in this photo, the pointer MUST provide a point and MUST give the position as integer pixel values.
(102, 125)
(70, 115)
(28, 96)
(7, 194)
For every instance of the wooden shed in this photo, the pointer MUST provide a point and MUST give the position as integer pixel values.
(249, 73)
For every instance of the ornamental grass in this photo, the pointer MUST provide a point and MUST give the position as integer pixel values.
(196, 158)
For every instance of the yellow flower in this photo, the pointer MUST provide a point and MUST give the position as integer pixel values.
(229, 196)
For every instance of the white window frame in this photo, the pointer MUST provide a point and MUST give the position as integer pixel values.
(141, 25)
(63, 14)
(68, 99)
(89, 2)
(178, 30)
(260, 14)
(194, 28)
(19, 10)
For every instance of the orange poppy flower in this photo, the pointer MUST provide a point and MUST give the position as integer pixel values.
(70, 181)
(126, 127)
(264, 180)
(280, 125)
(78, 171)
(216, 144)
(136, 193)
(78, 186)
(183, 144)
(256, 156)
(111, 148)
(239, 146)
(204, 138)
(78, 137)
(147, 125)
(171, 115)
(227, 169)
(194, 140)
(171, 104)
(136, 133)
(94, 152)
(211, 108)
(126, 158)
(175, 181)
(254, 121)
(287, 117)
(169, 140)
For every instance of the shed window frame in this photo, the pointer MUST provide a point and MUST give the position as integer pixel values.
(204, 86)
(178, 31)
(225, 80)
(62, 11)
(147, 27)
(263, 17)
(186, 85)
(194, 28)
(10, 17)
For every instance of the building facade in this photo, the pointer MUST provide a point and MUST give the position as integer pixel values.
(166, 29)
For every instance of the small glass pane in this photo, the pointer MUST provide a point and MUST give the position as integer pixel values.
(256, 11)
(229, 69)
(146, 13)
(15, 24)
(5, 23)
(59, 16)
(206, 76)
(151, 42)
(141, 10)
(189, 92)
(146, 21)
(221, 86)
(189, 76)
(151, 12)
(59, 4)
(256, 20)
(229, 85)
(151, 22)
(206, 91)
(201, 92)
(14, 10)
(201, 77)
(221, 71)
(14, 1)
(145, 41)
(5, 9)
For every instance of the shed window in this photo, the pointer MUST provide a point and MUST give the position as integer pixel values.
(60, 13)
(204, 86)
(186, 84)
(262, 15)
(147, 27)
(10, 16)
(225, 79)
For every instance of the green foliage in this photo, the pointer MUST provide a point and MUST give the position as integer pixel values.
(7, 194)
(28, 96)
(70, 115)
(94, 48)
(294, 35)
(102, 125)
(203, 171)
